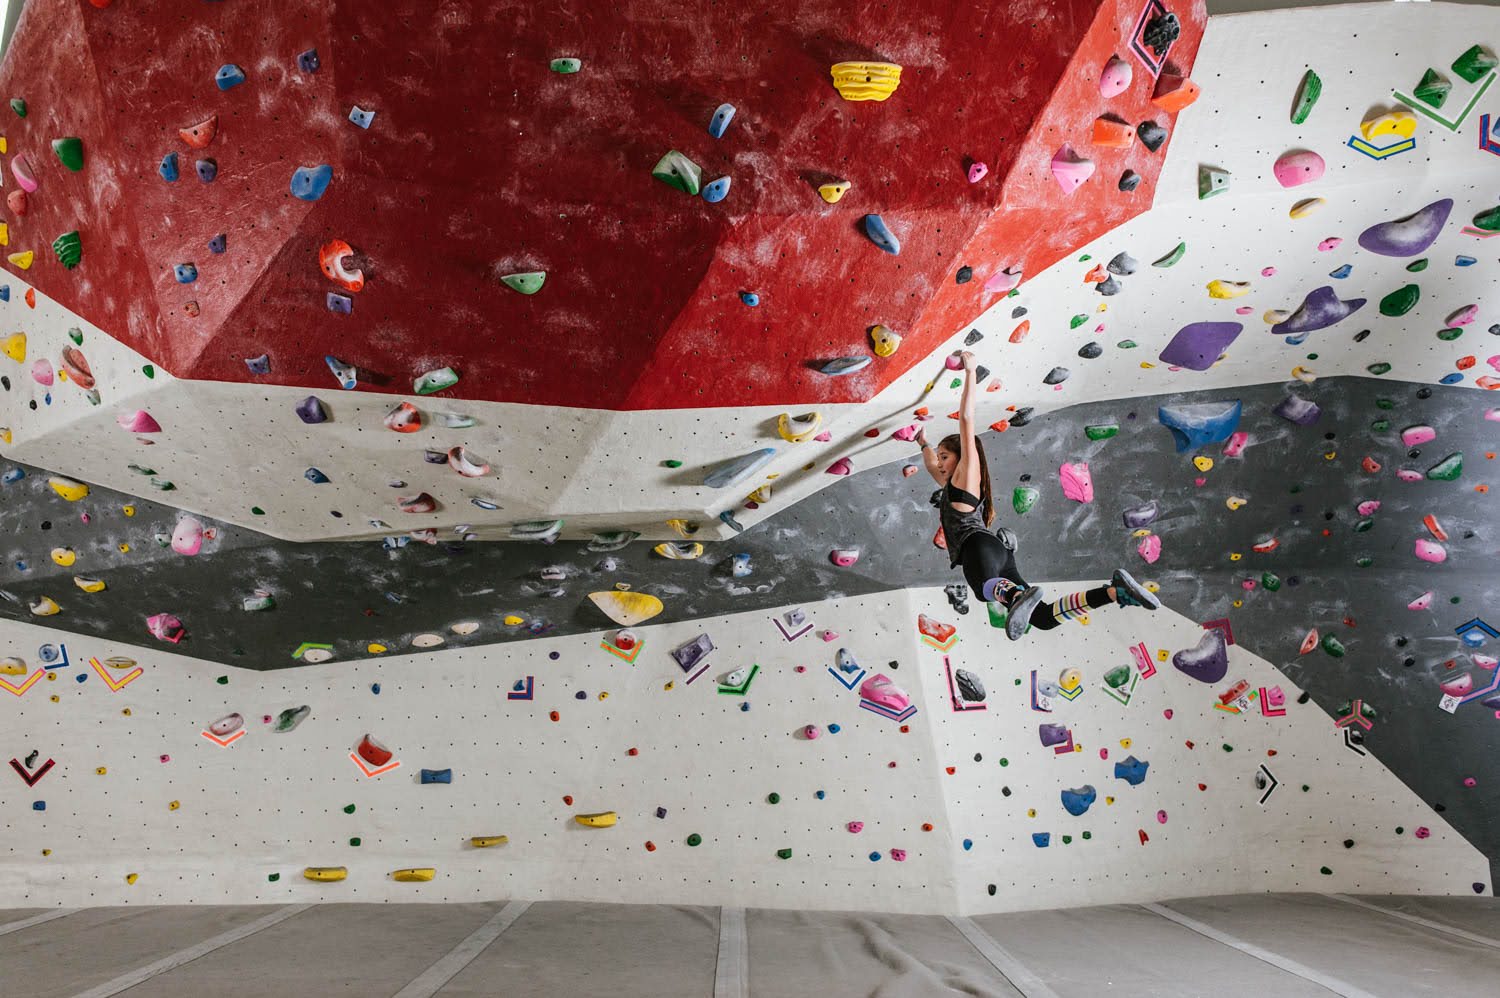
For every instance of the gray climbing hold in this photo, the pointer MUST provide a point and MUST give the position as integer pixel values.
(1151, 134)
(969, 685)
(1108, 287)
(1090, 351)
(737, 469)
(1129, 180)
(973, 337)
(1123, 264)
(1057, 376)
(844, 365)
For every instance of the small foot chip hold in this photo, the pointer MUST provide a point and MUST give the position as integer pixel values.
(861, 81)
(527, 283)
(602, 819)
(488, 841)
(325, 874)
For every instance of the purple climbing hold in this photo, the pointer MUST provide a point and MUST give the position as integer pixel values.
(1137, 517)
(1198, 345)
(1410, 235)
(1208, 661)
(311, 410)
(1298, 410)
(1053, 734)
(1320, 309)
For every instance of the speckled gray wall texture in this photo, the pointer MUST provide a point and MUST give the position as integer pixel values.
(1347, 575)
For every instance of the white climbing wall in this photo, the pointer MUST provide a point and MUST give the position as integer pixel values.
(270, 804)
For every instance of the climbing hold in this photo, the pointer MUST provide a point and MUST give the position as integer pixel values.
(1076, 802)
(884, 340)
(1077, 482)
(373, 752)
(1473, 64)
(1171, 258)
(1136, 517)
(200, 135)
(229, 76)
(1297, 167)
(1069, 169)
(405, 418)
(856, 81)
(736, 470)
(843, 466)
(1112, 133)
(359, 116)
(1101, 431)
(1115, 77)
(186, 273)
(1211, 181)
(414, 875)
(1123, 264)
(331, 257)
(1197, 346)
(881, 235)
(1228, 289)
(1319, 310)
(311, 410)
(718, 124)
(14, 347)
(716, 190)
(844, 365)
(601, 819)
(308, 61)
(18, 105)
(1023, 498)
(1208, 661)
(1308, 93)
(1151, 134)
(289, 718)
(1301, 411)
(1400, 301)
(1129, 180)
(832, 191)
(1433, 88)
(435, 381)
(627, 608)
(1306, 207)
(1410, 235)
(676, 170)
(69, 150)
(1464, 316)
(1057, 376)
(1449, 469)
(22, 260)
(1199, 424)
(1174, 92)
(309, 182)
(844, 557)
(67, 488)
(1131, 770)
(437, 776)
(325, 873)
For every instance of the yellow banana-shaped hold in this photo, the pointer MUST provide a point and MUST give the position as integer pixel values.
(417, 874)
(485, 841)
(325, 873)
(604, 819)
(795, 429)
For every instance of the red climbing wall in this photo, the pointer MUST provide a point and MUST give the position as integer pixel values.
(482, 162)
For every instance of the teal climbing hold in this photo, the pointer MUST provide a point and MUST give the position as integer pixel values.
(527, 283)
(1024, 498)
(565, 66)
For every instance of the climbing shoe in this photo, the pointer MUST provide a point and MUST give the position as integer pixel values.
(1129, 592)
(1018, 611)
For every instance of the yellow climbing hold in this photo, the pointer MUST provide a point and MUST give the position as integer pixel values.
(1235, 502)
(795, 429)
(1306, 207)
(1031, 812)
(1235, 556)
(4, 234)
(67, 488)
(120, 662)
(64, 557)
(604, 819)
(680, 552)
(866, 80)
(485, 841)
(22, 259)
(683, 528)
(627, 609)
(831, 192)
(416, 874)
(128, 510)
(1400, 123)
(89, 585)
(174, 805)
(5, 436)
(375, 648)
(45, 606)
(1228, 289)
(12, 666)
(1070, 679)
(761, 495)
(1125, 743)
(325, 873)
(15, 347)
(511, 620)
(1304, 375)
(603, 694)
(131, 878)
(1203, 462)
(101, 771)
(885, 340)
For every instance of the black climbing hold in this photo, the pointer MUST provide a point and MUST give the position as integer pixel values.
(1495, 329)
(1129, 180)
(969, 686)
(1361, 336)
(1089, 351)
(1348, 843)
(992, 890)
(1123, 264)
(1160, 33)
(1022, 416)
(1151, 134)
(964, 275)
(1025, 478)
(1439, 808)
(974, 337)
(1306, 696)
(1108, 287)
(978, 757)
(1424, 393)
(1005, 791)
(1018, 311)
(980, 373)
(1056, 376)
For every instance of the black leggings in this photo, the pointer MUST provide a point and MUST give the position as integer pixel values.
(984, 558)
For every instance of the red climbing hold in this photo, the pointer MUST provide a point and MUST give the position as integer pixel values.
(373, 752)
(200, 135)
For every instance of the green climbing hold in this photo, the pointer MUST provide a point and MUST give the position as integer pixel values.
(69, 149)
(1489, 221)
(1333, 646)
(1101, 431)
(1448, 469)
(1305, 788)
(1172, 257)
(1067, 840)
(1417, 266)
(565, 66)
(435, 381)
(1004, 762)
(1450, 334)
(1472, 66)
(274, 877)
(1325, 871)
(1228, 747)
(1126, 344)
(1363, 526)
(348, 808)
(354, 841)
(1270, 582)
(678, 171)
(148, 370)
(222, 680)
(1307, 95)
(528, 283)
(1365, 562)
(1385, 404)
(784, 853)
(76, 335)
(69, 249)
(257, 511)
(694, 839)
(1024, 497)
(1211, 181)
(1433, 88)
(955, 383)
(1118, 676)
(1381, 425)
(1077, 320)
(1400, 301)
(18, 105)
(671, 463)
(997, 617)
(773, 799)
(1379, 368)
(1088, 835)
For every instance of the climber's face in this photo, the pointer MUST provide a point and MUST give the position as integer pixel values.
(947, 460)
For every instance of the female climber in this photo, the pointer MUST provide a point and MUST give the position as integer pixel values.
(989, 560)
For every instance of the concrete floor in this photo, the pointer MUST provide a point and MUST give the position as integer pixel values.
(1260, 945)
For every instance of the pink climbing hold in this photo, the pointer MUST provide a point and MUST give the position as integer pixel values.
(187, 537)
(1458, 686)
(907, 433)
(1167, 713)
(844, 557)
(1422, 832)
(1070, 170)
(1464, 316)
(954, 361)
(977, 172)
(1077, 482)
(840, 467)
(41, 373)
(1331, 243)
(811, 732)
(1422, 602)
(823, 437)
(1469, 781)
(1104, 753)
(898, 855)
(166, 627)
(1242, 310)
(1495, 363)
(1408, 475)
(1300, 166)
(1161, 817)
(855, 827)
(1115, 77)
(1149, 548)
(1492, 415)
(1004, 281)
(1268, 272)
(139, 421)
(908, 470)
(1368, 508)
(1236, 445)
(1431, 551)
(1414, 436)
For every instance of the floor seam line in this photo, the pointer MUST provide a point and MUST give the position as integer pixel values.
(1451, 930)
(43, 918)
(452, 963)
(731, 966)
(1015, 973)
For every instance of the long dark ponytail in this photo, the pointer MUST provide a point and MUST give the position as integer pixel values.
(953, 443)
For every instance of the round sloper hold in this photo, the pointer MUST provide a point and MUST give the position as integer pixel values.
(331, 257)
(844, 557)
(227, 725)
(405, 418)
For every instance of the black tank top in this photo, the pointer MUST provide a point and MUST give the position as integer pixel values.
(958, 526)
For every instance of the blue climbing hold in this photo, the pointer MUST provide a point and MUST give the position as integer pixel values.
(834, 729)
(1041, 839)
(739, 565)
(309, 182)
(1451, 379)
(39, 805)
(360, 116)
(1076, 802)
(716, 190)
(4, 292)
(229, 76)
(728, 519)
(375, 688)
(719, 123)
(750, 298)
(168, 169)
(315, 476)
(881, 235)
(337, 303)
(259, 365)
(13, 475)
(218, 244)
(308, 61)
(1464, 261)
(437, 776)
(737, 469)
(844, 365)
(186, 273)
(820, 794)
(207, 169)
(1341, 273)
(874, 857)
(580, 695)
(1131, 770)
(1199, 424)
(968, 844)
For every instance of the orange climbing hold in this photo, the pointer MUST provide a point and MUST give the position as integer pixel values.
(1019, 333)
(1112, 134)
(331, 256)
(1173, 92)
(200, 135)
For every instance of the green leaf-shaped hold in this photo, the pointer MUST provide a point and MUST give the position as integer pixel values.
(18, 105)
(680, 172)
(76, 335)
(565, 66)
(1473, 64)
(1433, 89)
(1381, 425)
(1126, 344)
(1364, 526)
(1333, 646)
(1023, 498)
(1417, 266)
(1489, 221)
(1450, 334)
(69, 249)
(528, 283)
(1448, 469)
(1379, 368)
(435, 381)
(1211, 181)
(1400, 301)
(1171, 258)
(1307, 95)
(69, 149)
(1101, 431)
(1077, 320)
